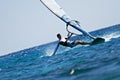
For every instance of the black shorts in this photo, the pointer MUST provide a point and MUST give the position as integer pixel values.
(71, 44)
(68, 44)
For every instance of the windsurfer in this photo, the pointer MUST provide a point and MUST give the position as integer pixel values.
(67, 43)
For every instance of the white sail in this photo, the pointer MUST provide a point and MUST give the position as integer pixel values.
(58, 11)
(54, 7)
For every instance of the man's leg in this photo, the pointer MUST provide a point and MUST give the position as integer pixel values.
(81, 42)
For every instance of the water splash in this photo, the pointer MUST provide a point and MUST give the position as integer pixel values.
(108, 37)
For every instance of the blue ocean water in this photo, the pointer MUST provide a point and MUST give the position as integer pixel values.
(97, 62)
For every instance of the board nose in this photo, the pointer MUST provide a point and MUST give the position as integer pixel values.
(98, 41)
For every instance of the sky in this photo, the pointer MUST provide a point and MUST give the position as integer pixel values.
(27, 23)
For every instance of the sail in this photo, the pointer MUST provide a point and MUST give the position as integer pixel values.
(54, 7)
(59, 12)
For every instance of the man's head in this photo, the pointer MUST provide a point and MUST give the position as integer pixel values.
(58, 36)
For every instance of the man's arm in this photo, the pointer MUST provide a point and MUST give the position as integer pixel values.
(69, 37)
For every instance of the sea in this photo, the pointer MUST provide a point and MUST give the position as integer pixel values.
(83, 62)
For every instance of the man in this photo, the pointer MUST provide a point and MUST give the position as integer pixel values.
(67, 43)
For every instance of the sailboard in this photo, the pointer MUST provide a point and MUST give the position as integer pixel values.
(60, 13)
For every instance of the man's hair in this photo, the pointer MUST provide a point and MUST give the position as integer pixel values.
(59, 36)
